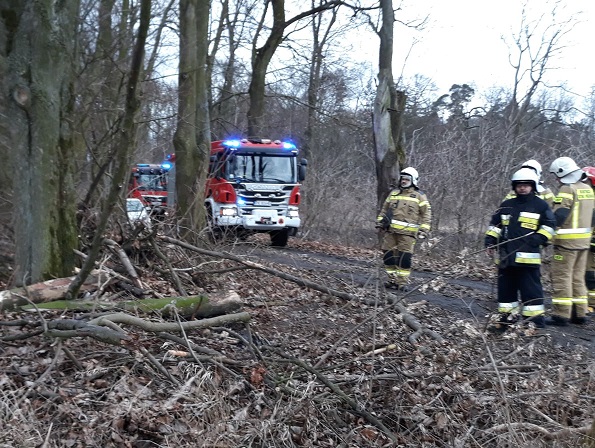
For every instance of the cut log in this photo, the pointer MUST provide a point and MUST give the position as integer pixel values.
(188, 307)
(47, 291)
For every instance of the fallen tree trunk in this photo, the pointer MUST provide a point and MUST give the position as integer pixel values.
(48, 291)
(188, 307)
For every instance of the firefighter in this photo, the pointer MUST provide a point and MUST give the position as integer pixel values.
(542, 191)
(590, 274)
(517, 230)
(405, 217)
(573, 209)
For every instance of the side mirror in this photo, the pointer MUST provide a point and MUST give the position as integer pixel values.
(302, 170)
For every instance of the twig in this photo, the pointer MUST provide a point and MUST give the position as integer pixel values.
(170, 268)
(158, 365)
(532, 427)
(337, 391)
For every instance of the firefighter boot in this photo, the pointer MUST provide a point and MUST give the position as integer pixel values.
(503, 323)
(391, 285)
(557, 321)
(538, 321)
(576, 319)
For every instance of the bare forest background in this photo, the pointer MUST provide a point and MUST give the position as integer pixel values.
(91, 87)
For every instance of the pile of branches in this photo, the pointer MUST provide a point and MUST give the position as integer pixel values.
(282, 358)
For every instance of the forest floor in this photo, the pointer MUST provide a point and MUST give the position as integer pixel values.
(341, 362)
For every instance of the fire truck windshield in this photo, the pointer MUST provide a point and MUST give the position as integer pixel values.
(263, 168)
(153, 182)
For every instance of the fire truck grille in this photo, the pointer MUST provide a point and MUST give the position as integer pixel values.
(277, 200)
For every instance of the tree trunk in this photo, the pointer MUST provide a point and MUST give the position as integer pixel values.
(388, 111)
(39, 84)
(261, 57)
(192, 137)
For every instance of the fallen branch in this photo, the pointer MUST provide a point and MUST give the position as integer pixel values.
(408, 318)
(171, 327)
(549, 435)
(125, 261)
(69, 328)
(260, 267)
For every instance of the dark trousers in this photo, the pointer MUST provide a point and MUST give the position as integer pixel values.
(515, 280)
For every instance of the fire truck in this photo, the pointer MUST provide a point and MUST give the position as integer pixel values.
(148, 182)
(253, 186)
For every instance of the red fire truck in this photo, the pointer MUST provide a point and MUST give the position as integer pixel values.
(254, 186)
(148, 182)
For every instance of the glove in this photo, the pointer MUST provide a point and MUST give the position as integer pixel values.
(422, 235)
(383, 223)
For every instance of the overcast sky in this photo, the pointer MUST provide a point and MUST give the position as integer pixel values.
(462, 42)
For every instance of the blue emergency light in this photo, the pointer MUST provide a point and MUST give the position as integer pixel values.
(232, 143)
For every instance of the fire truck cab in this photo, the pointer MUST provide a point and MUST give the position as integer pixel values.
(254, 186)
(148, 182)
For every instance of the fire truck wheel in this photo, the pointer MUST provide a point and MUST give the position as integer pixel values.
(279, 237)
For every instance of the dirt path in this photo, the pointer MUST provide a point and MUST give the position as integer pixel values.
(470, 299)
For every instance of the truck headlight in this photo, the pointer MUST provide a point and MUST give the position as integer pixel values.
(228, 211)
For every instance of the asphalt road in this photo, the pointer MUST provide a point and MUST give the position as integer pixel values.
(469, 298)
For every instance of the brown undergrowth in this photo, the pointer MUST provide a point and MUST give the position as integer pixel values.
(308, 370)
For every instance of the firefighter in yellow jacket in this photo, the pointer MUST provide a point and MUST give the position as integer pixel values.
(590, 275)
(573, 210)
(405, 217)
(542, 191)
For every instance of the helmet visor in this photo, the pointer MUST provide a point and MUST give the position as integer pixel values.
(405, 180)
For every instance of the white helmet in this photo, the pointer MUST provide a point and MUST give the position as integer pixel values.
(409, 171)
(566, 170)
(525, 175)
(534, 165)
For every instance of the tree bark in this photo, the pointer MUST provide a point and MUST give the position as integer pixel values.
(388, 111)
(261, 57)
(192, 137)
(39, 79)
(47, 291)
(188, 307)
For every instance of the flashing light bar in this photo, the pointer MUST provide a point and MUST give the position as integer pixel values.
(232, 143)
(166, 166)
(237, 143)
(142, 164)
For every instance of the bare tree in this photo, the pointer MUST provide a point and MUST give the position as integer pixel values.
(389, 107)
(261, 57)
(38, 81)
(537, 44)
(126, 143)
(192, 137)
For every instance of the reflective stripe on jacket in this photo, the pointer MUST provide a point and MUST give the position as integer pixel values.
(520, 227)
(575, 232)
(408, 211)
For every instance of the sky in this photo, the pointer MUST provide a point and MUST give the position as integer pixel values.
(462, 42)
